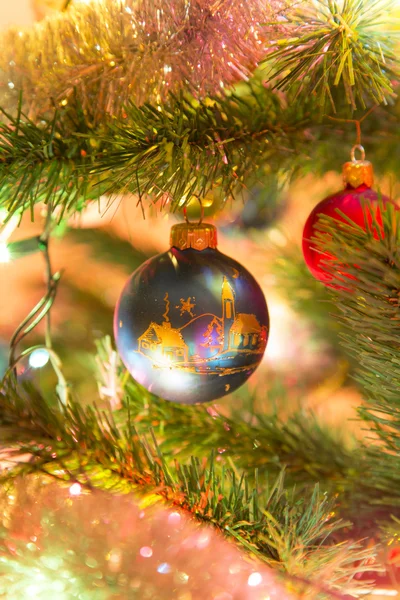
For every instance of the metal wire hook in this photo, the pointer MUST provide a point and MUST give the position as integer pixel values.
(353, 152)
(201, 211)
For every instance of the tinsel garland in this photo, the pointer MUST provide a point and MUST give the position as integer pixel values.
(107, 52)
(66, 542)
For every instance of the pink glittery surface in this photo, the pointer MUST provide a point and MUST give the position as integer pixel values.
(101, 545)
(104, 53)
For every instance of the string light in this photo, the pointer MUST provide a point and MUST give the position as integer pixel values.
(39, 358)
(5, 255)
(75, 489)
(164, 568)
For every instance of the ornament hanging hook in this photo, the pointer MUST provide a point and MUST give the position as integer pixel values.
(353, 152)
(357, 123)
(201, 211)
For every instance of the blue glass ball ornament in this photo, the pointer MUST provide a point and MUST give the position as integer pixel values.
(191, 324)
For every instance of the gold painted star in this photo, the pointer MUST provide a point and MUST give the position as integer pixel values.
(187, 306)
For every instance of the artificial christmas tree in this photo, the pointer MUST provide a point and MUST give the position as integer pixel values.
(120, 108)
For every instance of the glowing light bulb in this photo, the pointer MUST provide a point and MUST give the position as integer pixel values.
(5, 255)
(39, 358)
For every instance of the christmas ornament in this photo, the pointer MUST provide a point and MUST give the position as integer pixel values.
(191, 324)
(358, 179)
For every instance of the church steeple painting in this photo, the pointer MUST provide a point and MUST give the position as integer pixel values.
(228, 311)
(224, 338)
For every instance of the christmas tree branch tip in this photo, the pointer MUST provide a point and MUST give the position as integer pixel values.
(186, 147)
(336, 49)
(278, 527)
(366, 272)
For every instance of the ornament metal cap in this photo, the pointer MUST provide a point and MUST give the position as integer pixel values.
(194, 235)
(358, 172)
(198, 236)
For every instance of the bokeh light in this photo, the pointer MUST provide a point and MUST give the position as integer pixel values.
(5, 255)
(39, 358)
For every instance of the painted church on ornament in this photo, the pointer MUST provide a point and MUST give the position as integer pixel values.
(240, 332)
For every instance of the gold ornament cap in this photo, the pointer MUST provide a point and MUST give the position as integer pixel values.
(198, 236)
(358, 172)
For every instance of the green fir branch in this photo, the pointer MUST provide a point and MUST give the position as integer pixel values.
(370, 311)
(364, 477)
(339, 49)
(166, 155)
(306, 451)
(39, 163)
(277, 526)
(183, 148)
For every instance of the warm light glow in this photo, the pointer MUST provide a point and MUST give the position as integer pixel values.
(254, 579)
(146, 552)
(377, 592)
(75, 489)
(174, 519)
(7, 229)
(39, 358)
(93, 1)
(5, 255)
(278, 345)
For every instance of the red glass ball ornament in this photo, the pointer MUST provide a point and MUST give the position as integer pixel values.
(357, 201)
(349, 202)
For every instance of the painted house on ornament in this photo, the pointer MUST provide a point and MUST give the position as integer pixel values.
(163, 343)
(235, 332)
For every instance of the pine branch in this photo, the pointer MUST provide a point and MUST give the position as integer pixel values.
(188, 147)
(42, 162)
(364, 477)
(277, 527)
(338, 49)
(267, 443)
(165, 155)
(370, 312)
(172, 152)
